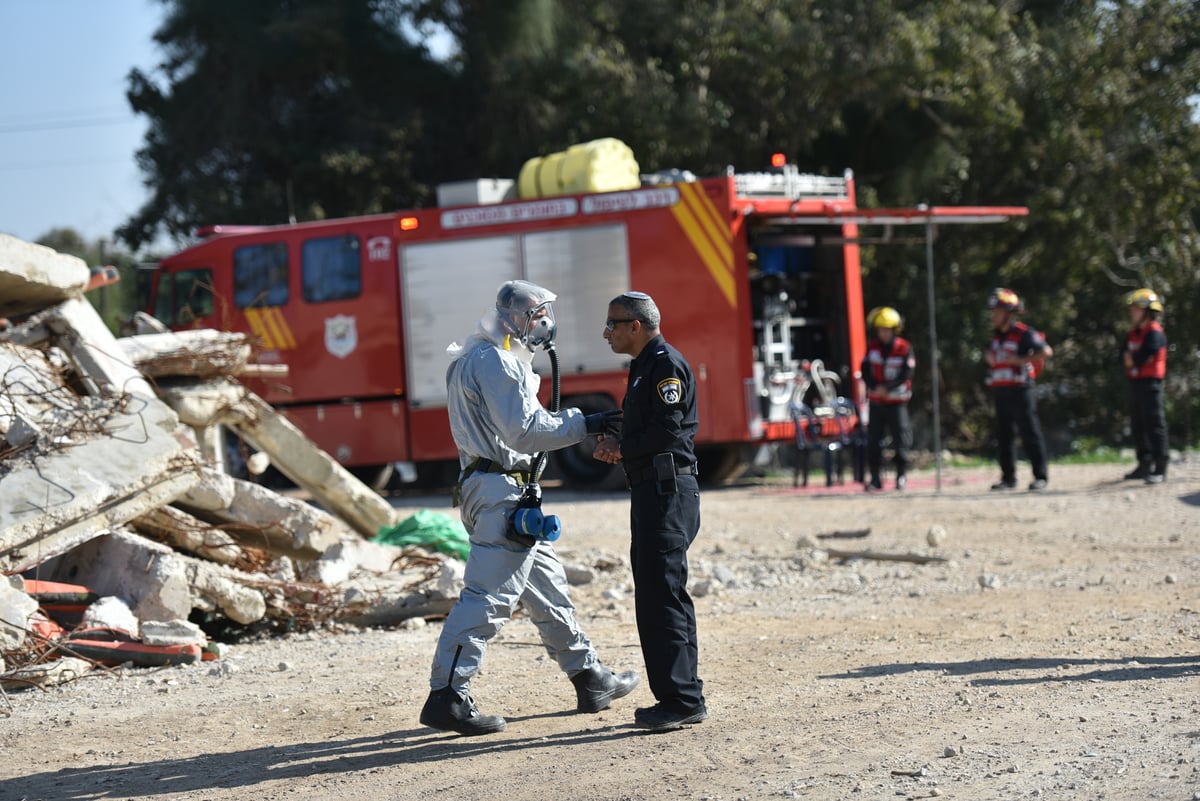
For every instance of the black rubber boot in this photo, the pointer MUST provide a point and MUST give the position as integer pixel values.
(597, 687)
(662, 718)
(446, 710)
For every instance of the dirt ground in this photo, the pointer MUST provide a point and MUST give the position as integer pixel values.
(1055, 653)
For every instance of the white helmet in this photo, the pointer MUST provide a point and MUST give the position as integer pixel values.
(518, 304)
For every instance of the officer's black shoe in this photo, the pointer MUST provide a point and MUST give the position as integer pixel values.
(875, 485)
(1140, 474)
(660, 718)
(597, 687)
(1005, 484)
(447, 710)
(1037, 484)
(901, 482)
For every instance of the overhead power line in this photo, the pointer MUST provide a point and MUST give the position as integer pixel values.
(85, 122)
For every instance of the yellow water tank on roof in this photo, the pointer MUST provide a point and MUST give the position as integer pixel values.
(602, 165)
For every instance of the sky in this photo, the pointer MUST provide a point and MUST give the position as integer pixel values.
(68, 138)
(67, 134)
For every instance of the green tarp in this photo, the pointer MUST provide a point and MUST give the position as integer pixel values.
(430, 530)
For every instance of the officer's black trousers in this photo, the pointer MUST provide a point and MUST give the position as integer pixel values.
(663, 526)
(1016, 410)
(1149, 424)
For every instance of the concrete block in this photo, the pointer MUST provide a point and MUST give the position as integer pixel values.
(33, 276)
(260, 518)
(214, 490)
(111, 612)
(203, 352)
(159, 583)
(172, 632)
(15, 609)
(85, 337)
(205, 403)
(114, 460)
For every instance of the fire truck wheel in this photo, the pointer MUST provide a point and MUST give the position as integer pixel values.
(375, 476)
(721, 464)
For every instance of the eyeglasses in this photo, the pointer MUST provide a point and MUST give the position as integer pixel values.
(610, 324)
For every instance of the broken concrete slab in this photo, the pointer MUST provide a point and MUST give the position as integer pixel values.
(352, 557)
(29, 391)
(172, 632)
(181, 530)
(213, 490)
(34, 276)
(382, 603)
(260, 518)
(159, 583)
(115, 460)
(83, 335)
(203, 404)
(203, 353)
(45, 674)
(111, 612)
(15, 609)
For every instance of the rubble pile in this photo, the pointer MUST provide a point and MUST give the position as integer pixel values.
(119, 524)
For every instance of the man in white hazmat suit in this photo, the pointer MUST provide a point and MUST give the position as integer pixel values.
(498, 425)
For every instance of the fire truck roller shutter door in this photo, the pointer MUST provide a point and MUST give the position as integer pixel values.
(575, 465)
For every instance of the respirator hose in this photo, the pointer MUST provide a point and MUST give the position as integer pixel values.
(539, 461)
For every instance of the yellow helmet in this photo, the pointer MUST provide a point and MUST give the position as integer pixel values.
(1002, 298)
(884, 317)
(1144, 299)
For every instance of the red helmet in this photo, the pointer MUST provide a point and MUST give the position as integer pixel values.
(1002, 298)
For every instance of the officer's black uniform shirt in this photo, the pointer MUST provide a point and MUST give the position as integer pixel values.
(659, 408)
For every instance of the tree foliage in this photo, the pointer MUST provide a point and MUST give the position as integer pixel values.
(1083, 110)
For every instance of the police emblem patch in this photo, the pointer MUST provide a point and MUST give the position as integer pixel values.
(670, 390)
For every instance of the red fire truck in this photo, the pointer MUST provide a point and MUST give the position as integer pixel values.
(753, 282)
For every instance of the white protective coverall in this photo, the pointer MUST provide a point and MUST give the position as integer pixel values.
(495, 414)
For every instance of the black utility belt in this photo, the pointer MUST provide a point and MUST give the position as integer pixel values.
(650, 473)
(488, 466)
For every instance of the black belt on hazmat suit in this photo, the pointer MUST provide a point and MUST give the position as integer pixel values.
(486, 466)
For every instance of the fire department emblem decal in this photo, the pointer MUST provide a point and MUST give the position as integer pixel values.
(670, 390)
(341, 335)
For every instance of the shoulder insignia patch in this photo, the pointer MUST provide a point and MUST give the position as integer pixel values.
(670, 391)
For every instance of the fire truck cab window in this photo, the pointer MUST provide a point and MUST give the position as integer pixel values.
(331, 269)
(260, 275)
(184, 297)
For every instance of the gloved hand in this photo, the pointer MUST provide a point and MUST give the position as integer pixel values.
(604, 422)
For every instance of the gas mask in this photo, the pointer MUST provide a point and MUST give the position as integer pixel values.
(524, 307)
(539, 330)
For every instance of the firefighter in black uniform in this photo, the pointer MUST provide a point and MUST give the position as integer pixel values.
(887, 370)
(656, 448)
(1145, 360)
(1015, 358)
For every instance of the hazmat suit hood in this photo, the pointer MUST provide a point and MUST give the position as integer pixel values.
(512, 324)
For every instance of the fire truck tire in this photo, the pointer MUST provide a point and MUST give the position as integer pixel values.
(722, 464)
(375, 476)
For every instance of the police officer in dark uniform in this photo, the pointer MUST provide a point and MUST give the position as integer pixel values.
(657, 450)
